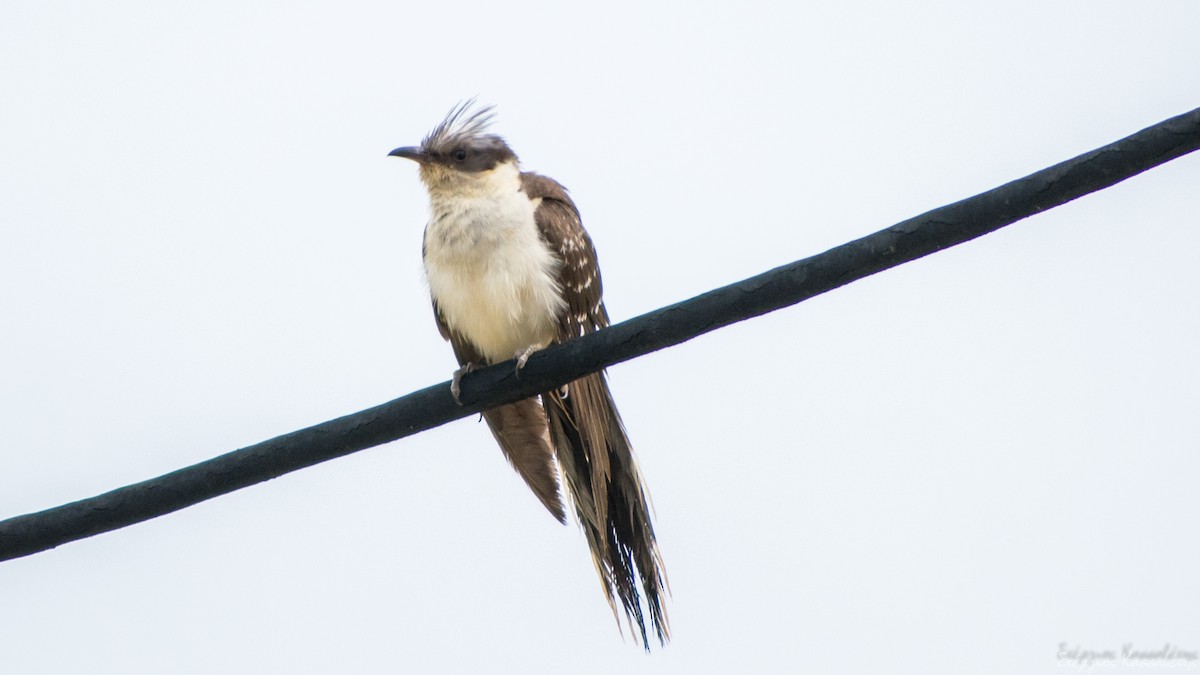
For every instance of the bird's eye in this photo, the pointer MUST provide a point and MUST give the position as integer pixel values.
(459, 155)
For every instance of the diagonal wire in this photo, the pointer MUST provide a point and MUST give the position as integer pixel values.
(557, 365)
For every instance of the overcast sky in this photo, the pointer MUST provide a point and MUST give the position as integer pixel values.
(954, 466)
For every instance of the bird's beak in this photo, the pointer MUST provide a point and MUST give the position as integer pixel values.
(416, 154)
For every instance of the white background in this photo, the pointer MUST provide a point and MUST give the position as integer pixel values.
(953, 466)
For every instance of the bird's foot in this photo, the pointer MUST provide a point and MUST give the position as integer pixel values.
(523, 355)
(456, 380)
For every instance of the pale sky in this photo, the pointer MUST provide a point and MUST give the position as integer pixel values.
(954, 466)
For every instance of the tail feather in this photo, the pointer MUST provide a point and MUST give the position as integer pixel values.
(521, 430)
(607, 488)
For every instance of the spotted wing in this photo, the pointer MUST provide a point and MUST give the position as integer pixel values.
(561, 228)
(595, 454)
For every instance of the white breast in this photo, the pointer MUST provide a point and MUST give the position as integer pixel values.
(488, 270)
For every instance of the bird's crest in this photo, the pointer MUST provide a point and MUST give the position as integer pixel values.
(467, 123)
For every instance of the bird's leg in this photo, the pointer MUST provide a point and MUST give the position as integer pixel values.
(456, 380)
(522, 356)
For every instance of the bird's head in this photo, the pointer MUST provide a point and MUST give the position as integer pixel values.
(460, 153)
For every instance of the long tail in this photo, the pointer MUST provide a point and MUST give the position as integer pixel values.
(602, 476)
(520, 429)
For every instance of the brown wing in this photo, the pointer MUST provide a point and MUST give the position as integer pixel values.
(593, 449)
(582, 409)
(520, 428)
(561, 228)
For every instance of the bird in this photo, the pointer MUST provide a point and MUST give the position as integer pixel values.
(511, 270)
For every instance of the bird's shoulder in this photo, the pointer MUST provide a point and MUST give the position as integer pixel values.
(557, 217)
(561, 228)
(537, 186)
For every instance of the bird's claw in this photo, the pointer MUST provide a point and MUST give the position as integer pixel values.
(522, 357)
(456, 381)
